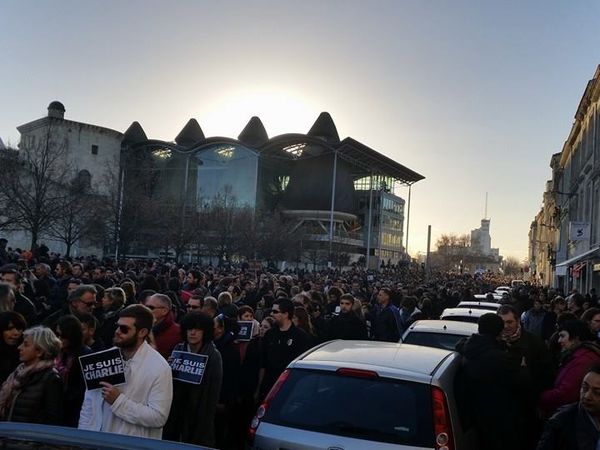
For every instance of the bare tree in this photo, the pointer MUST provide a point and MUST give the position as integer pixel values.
(31, 188)
(82, 215)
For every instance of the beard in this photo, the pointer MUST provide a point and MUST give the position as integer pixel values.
(125, 343)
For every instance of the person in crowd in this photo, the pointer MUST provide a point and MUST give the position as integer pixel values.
(347, 325)
(7, 298)
(166, 331)
(22, 304)
(59, 294)
(534, 318)
(33, 391)
(575, 304)
(225, 333)
(81, 300)
(12, 325)
(43, 283)
(73, 284)
(281, 345)
(70, 333)
(141, 406)
(89, 325)
(113, 302)
(195, 303)
(333, 301)
(210, 307)
(266, 324)
(302, 320)
(497, 382)
(579, 353)
(129, 289)
(192, 416)
(575, 426)
(226, 305)
(99, 277)
(409, 312)
(194, 280)
(386, 326)
(592, 318)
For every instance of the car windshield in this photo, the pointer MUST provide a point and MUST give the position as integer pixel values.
(375, 409)
(437, 340)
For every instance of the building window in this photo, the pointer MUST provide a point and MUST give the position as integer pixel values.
(94, 149)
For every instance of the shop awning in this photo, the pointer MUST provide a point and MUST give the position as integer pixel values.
(585, 255)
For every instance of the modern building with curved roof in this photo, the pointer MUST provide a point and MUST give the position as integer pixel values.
(339, 193)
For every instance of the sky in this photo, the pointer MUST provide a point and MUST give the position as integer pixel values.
(475, 95)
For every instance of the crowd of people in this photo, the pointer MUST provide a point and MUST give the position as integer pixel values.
(530, 360)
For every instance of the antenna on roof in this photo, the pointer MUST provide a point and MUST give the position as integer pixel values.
(486, 205)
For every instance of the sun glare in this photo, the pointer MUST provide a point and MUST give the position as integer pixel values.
(280, 112)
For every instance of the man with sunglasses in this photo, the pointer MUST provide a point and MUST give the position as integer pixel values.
(167, 333)
(282, 344)
(80, 301)
(140, 407)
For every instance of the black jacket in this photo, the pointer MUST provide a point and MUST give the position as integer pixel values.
(386, 326)
(347, 326)
(9, 360)
(495, 387)
(40, 400)
(192, 416)
(570, 428)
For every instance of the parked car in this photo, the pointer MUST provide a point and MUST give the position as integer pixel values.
(493, 307)
(26, 436)
(443, 334)
(503, 289)
(463, 314)
(357, 395)
(496, 296)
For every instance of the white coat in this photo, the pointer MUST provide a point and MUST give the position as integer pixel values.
(143, 406)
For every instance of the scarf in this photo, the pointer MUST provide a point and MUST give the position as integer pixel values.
(510, 338)
(15, 382)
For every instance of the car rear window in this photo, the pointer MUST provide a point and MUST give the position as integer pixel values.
(375, 409)
(436, 340)
(470, 319)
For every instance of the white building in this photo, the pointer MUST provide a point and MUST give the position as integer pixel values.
(481, 240)
(90, 150)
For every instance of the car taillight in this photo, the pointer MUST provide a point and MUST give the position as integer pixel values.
(441, 420)
(357, 373)
(262, 409)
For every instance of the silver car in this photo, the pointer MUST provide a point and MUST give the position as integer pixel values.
(438, 333)
(358, 395)
(463, 314)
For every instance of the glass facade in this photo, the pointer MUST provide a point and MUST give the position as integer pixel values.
(227, 168)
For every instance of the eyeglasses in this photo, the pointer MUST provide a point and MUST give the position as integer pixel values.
(152, 307)
(88, 304)
(123, 329)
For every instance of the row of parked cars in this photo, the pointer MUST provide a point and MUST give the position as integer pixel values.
(356, 395)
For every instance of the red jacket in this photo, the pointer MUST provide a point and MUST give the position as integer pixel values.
(167, 334)
(568, 381)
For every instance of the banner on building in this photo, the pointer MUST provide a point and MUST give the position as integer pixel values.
(105, 366)
(578, 231)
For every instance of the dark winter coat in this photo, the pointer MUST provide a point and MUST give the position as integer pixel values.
(347, 326)
(495, 384)
(569, 429)
(385, 327)
(230, 356)
(192, 416)
(40, 400)
(108, 325)
(9, 360)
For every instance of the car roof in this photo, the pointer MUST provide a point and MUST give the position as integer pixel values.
(443, 326)
(100, 440)
(465, 312)
(488, 304)
(379, 356)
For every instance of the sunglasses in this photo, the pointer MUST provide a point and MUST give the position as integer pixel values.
(88, 304)
(123, 329)
(275, 311)
(193, 306)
